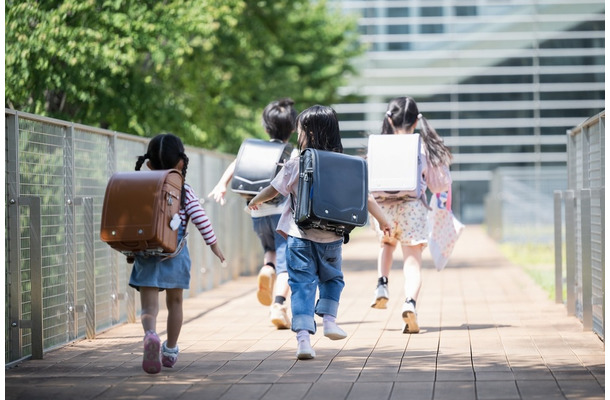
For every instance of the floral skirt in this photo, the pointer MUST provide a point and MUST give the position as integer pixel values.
(409, 222)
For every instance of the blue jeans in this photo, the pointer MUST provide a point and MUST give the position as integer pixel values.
(313, 265)
(264, 227)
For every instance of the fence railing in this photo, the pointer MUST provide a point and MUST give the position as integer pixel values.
(579, 226)
(518, 205)
(62, 282)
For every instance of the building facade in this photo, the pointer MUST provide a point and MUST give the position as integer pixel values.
(500, 80)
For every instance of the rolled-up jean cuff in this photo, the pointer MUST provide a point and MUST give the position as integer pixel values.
(303, 322)
(327, 306)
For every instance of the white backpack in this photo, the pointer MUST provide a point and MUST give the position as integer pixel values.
(395, 166)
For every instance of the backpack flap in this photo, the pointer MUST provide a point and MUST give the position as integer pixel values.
(340, 188)
(138, 208)
(394, 164)
(258, 161)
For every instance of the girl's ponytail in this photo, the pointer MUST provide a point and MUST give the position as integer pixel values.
(140, 161)
(438, 153)
(184, 168)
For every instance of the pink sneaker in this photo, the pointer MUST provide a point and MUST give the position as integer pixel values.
(151, 362)
(169, 356)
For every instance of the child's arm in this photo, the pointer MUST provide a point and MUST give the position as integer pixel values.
(377, 212)
(264, 195)
(216, 250)
(219, 191)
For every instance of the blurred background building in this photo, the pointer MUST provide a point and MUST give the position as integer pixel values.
(500, 80)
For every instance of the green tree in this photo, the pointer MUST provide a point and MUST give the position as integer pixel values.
(203, 69)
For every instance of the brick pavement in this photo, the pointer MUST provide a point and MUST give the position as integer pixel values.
(487, 332)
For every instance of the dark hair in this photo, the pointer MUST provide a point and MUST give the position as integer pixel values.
(279, 119)
(318, 128)
(164, 152)
(404, 113)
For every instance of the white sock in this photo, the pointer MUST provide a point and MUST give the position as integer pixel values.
(303, 334)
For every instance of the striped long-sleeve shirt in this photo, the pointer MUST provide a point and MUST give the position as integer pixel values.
(193, 210)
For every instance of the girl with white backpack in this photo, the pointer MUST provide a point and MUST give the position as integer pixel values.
(407, 216)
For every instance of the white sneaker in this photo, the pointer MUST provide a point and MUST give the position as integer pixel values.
(304, 350)
(382, 296)
(333, 332)
(410, 317)
(266, 279)
(279, 316)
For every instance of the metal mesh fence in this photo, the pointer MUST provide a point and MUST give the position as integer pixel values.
(519, 206)
(84, 288)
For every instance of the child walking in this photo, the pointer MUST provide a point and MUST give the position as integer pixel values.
(279, 122)
(313, 255)
(408, 217)
(150, 275)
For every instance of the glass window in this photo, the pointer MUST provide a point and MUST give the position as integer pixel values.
(495, 96)
(398, 29)
(572, 60)
(572, 43)
(464, 11)
(432, 28)
(572, 78)
(399, 46)
(397, 12)
(431, 11)
(583, 95)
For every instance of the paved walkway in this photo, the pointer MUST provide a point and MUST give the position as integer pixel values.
(487, 333)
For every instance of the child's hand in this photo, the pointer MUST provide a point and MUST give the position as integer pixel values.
(252, 205)
(385, 227)
(218, 193)
(216, 250)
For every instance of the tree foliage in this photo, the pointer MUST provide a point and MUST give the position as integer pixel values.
(203, 69)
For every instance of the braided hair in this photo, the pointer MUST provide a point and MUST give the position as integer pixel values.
(404, 113)
(165, 152)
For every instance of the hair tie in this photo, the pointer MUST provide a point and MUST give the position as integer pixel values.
(419, 116)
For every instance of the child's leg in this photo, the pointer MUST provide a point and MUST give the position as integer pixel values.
(412, 256)
(331, 285)
(384, 261)
(173, 300)
(412, 271)
(279, 310)
(265, 230)
(281, 284)
(149, 297)
(384, 264)
(303, 282)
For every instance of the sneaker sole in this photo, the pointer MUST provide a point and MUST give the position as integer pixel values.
(150, 362)
(280, 323)
(410, 322)
(380, 303)
(168, 363)
(335, 336)
(306, 355)
(265, 290)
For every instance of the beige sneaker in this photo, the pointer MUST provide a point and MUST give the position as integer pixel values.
(266, 279)
(279, 316)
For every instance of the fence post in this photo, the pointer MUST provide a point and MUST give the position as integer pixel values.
(89, 240)
(585, 245)
(13, 232)
(558, 247)
(570, 211)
